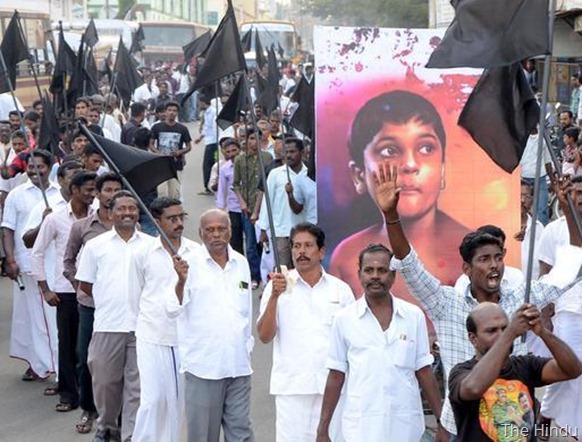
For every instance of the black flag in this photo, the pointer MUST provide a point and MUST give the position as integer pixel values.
(237, 102)
(223, 56)
(49, 128)
(128, 79)
(259, 53)
(91, 37)
(489, 33)
(247, 41)
(75, 87)
(501, 113)
(14, 50)
(196, 46)
(91, 75)
(269, 98)
(280, 50)
(137, 41)
(304, 117)
(65, 64)
(144, 170)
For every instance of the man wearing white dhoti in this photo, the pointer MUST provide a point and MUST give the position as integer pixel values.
(159, 417)
(33, 335)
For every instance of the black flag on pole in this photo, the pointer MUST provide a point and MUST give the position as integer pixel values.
(128, 79)
(65, 64)
(269, 97)
(49, 128)
(196, 46)
(14, 50)
(91, 74)
(489, 33)
(75, 87)
(237, 102)
(223, 55)
(501, 113)
(91, 36)
(259, 52)
(304, 117)
(144, 170)
(246, 40)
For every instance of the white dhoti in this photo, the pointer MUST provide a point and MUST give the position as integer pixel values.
(563, 400)
(33, 336)
(160, 413)
(298, 418)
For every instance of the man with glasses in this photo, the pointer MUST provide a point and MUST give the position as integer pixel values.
(159, 413)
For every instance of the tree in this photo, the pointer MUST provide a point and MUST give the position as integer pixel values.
(376, 13)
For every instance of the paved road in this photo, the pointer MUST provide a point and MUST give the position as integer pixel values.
(28, 416)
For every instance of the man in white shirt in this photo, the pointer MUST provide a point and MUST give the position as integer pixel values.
(296, 312)
(147, 92)
(103, 274)
(563, 401)
(61, 294)
(286, 210)
(528, 172)
(305, 193)
(159, 417)
(209, 134)
(380, 343)
(213, 302)
(34, 332)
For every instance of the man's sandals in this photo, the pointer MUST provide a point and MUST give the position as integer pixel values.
(63, 407)
(85, 424)
(51, 389)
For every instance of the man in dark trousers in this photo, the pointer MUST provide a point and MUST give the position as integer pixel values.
(173, 139)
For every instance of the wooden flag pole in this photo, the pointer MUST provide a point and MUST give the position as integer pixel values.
(541, 140)
(263, 177)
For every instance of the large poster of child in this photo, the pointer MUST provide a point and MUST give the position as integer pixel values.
(376, 101)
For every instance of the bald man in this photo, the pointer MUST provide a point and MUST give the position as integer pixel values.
(213, 304)
(492, 394)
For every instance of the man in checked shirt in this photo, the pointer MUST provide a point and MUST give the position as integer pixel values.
(482, 262)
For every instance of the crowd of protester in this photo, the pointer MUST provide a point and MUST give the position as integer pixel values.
(148, 335)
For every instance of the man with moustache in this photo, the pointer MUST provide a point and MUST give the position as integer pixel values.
(296, 313)
(81, 232)
(159, 417)
(213, 304)
(103, 274)
(380, 343)
(34, 332)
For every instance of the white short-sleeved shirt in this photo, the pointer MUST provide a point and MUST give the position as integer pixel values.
(382, 397)
(215, 318)
(283, 217)
(17, 207)
(556, 235)
(304, 318)
(105, 263)
(305, 192)
(156, 279)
